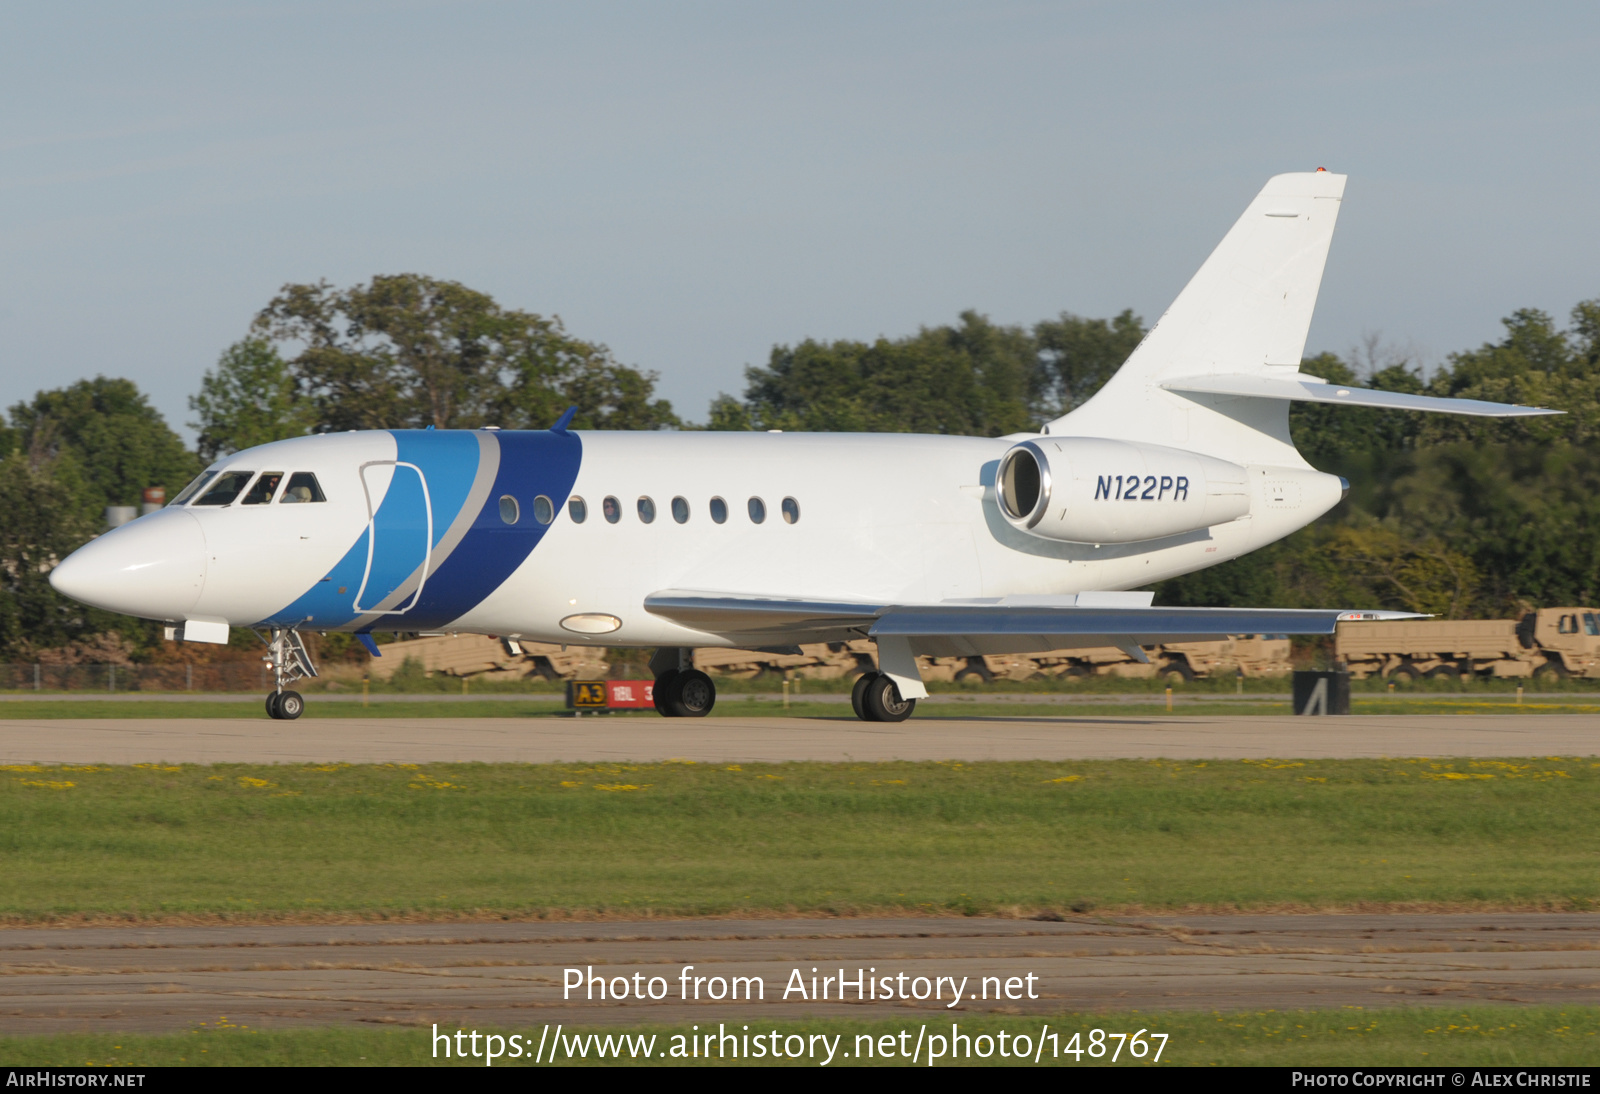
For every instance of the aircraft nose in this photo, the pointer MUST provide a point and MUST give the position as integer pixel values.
(153, 567)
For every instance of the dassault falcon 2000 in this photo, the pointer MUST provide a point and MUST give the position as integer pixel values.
(925, 544)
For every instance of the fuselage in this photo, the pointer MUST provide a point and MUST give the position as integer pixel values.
(511, 533)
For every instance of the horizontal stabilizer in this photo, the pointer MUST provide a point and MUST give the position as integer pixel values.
(1300, 388)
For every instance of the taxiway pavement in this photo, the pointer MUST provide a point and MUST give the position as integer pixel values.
(647, 738)
(511, 975)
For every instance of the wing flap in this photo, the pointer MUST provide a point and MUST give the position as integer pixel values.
(1111, 626)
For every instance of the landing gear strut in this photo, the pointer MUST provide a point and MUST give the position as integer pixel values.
(681, 690)
(288, 660)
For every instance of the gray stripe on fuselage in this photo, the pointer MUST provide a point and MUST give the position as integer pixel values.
(482, 484)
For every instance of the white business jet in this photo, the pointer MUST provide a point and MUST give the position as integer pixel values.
(953, 546)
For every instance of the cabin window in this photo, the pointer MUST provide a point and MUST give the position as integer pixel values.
(193, 488)
(758, 510)
(791, 511)
(647, 510)
(1591, 625)
(226, 488)
(302, 488)
(612, 509)
(1568, 625)
(266, 486)
(680, 510)
(577, 510)
(543, 511)
(719, 510)
(510, 511)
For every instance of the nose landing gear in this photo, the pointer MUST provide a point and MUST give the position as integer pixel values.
(286, 705)
(288, 660)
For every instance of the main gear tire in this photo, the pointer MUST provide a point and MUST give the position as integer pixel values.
(881, 701)
(661, 692)
(692, 694)
(856, 692)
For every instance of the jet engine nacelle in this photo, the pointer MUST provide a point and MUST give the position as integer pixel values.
(1083, 490)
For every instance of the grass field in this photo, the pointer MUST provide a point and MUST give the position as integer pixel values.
(1484, 1036)
(168, 841)
(974, 706)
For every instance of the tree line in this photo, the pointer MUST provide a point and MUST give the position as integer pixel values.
(1459, 517)
(1454, 516)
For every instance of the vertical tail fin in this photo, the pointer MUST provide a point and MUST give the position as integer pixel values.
(1247, 310)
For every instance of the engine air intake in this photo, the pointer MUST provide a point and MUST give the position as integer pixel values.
(1024, 484)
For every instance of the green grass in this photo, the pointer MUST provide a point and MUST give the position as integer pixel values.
(681, 838)
(741, 706)
(1349, 1036)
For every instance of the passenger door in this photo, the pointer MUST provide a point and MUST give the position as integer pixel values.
(399, 538)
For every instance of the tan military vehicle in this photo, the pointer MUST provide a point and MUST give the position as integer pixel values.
(475, 655)
(1549, 644)
(1243, 655)
(1247, 655)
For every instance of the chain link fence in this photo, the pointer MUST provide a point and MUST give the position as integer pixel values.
(223, 676)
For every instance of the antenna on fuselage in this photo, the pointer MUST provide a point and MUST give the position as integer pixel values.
(565, 420)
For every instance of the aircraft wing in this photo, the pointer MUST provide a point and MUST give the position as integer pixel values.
(992, 626)
(1300, 388)
(740, 613)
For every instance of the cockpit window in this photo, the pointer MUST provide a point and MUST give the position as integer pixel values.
(226, 488)
(302, 487)
(266, 486)
(193, 488)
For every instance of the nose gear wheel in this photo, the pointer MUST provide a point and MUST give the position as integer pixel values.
(288, 661)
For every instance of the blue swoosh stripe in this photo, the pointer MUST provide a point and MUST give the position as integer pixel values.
(529, 464)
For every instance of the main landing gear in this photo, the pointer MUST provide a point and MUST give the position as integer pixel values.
(288, 660)
(681, 690)
(876, 699)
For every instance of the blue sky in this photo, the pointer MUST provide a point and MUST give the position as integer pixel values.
(691, 183)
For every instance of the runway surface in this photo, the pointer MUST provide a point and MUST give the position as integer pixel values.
(511, 975)
(756, 740)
